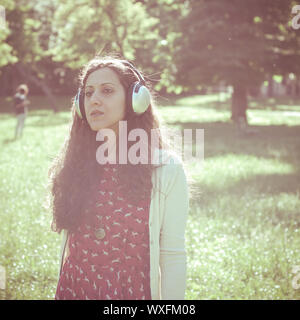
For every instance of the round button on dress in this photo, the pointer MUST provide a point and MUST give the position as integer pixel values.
(109, 256)
(100, 233)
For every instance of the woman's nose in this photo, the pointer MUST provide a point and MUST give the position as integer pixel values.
(95, 98)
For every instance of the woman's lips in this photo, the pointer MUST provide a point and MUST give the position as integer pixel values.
(96, 113)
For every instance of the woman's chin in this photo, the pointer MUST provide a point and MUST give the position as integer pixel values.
(96, 126)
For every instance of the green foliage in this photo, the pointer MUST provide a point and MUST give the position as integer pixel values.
(6, 55)
(86, 28)
(235, 41)
(23, 26)
(185, 44)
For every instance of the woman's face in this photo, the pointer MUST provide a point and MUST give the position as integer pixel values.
(104, 100)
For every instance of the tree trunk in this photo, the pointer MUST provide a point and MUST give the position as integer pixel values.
(7, 87)
(40, 83)
(270, 87)
(239, 103)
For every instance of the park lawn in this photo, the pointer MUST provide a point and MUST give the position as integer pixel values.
(242, 236)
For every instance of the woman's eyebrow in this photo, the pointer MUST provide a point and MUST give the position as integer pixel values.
(101, 84)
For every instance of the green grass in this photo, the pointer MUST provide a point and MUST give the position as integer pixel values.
(242, 234)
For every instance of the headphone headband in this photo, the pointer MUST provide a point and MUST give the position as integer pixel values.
(135, 70)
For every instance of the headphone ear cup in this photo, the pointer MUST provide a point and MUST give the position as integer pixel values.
(79, 105)
(141, 98)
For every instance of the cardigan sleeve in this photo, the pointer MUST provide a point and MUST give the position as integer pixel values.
(172, 235)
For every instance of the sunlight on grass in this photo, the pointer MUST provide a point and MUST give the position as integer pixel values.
(295, 108)
(185, 114)
(223, 171)
(265, 117)
(203, 99)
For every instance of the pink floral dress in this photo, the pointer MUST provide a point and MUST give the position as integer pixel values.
(109, 254)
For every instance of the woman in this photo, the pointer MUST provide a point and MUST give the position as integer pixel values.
(21, 103)
(123, 224)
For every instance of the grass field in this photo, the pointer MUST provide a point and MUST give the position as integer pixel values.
(242, 234)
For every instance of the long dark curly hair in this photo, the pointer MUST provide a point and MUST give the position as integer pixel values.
(75, 172)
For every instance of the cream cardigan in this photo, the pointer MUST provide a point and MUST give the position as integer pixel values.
(167, 221)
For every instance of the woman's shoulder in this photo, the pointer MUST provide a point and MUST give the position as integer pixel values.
(166, 158)
(170, 170)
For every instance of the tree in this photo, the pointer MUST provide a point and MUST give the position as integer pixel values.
(287, 53)
(234, 41)
(168, 13)
(28, 31)
(49, 38)
(6, 55)
(109, 26)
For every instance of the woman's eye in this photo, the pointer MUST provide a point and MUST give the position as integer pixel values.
(107, 90)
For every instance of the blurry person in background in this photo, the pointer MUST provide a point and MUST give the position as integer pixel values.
(20, 104)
